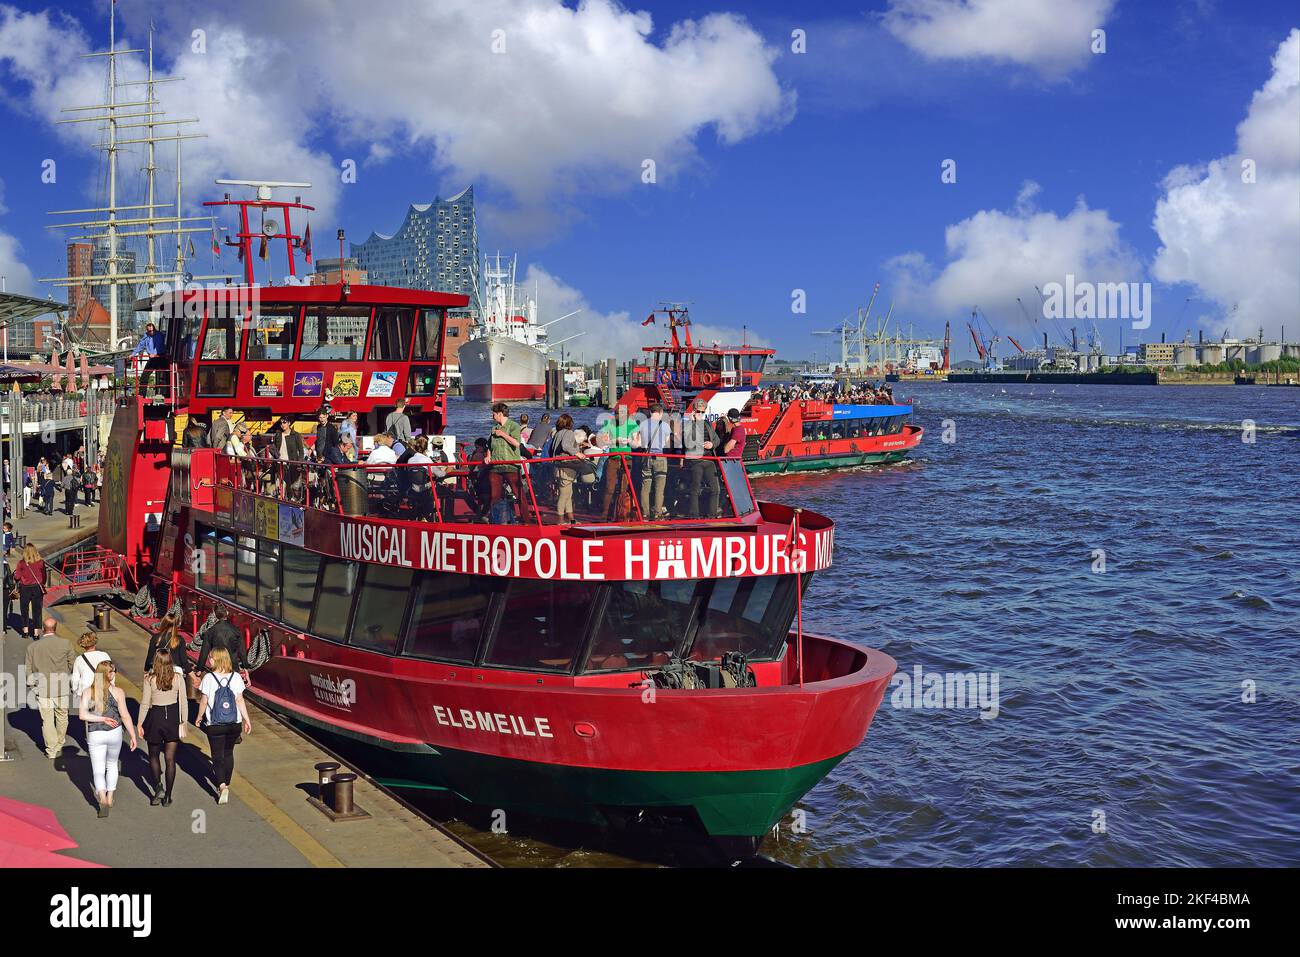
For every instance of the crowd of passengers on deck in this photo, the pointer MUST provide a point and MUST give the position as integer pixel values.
(842, 393)
(625, 468)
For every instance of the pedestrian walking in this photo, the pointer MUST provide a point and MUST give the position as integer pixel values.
(162, 723)
(103, 706)
(30, 575)
(222, 707)
(49, 672)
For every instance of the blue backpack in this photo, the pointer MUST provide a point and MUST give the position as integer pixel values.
(225, 709)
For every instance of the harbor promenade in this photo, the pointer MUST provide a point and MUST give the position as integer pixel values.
(269, 821)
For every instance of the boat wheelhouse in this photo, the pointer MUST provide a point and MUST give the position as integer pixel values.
(562, 654)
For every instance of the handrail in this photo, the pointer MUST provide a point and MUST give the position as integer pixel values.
(600, 489)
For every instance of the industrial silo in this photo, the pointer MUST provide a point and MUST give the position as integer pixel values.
(1252, 355)
(1184, 354)
(1269, 352)
(1211, 354)
(1291, 350)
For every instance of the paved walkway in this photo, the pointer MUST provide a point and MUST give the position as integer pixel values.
(268, 822)
(50, 533)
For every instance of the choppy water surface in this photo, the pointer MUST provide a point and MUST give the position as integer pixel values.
(1120, 693)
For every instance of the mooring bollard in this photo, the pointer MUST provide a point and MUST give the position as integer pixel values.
(325, 792)
(342, 787)
(102, 620)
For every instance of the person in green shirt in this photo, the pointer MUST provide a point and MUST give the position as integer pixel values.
(623, 435)
(504, 451)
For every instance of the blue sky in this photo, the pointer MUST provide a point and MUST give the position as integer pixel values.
(817, 171)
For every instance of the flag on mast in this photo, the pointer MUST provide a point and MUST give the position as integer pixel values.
(306, 245)
(191, 247)
(261, 250)
(216, 246)
(650, 320)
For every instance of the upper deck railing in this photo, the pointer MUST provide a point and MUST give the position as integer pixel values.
(612, 488)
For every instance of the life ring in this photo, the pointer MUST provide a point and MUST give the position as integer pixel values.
(708, 378)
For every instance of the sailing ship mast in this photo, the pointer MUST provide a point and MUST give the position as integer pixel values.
(115, 116)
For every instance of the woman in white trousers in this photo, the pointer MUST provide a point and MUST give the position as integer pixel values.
(103, 706)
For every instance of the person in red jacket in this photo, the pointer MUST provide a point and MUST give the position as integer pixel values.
(30, 575)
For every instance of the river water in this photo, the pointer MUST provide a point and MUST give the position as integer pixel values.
(1125, 567)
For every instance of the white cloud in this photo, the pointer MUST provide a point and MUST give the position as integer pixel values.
(995, 256)
(18, 278)
(1238, 243)
(1051, 36)
(577, 100)
(603, 334)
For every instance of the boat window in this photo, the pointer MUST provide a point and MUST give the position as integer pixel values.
(391, 341)
(644, 623)
(268, 579)
(707, 362)
(448, 618)
(380, 609)
(754, 363)
(273, 330)
(225, 564)
(338, 586)
(205, 569)
(742, 501)
(246, 572)
(221, 340)
(542, 625)
(181, 347)
(335, 333)
(300, 568)
(749, 615)
(428, 334)
(218, 381)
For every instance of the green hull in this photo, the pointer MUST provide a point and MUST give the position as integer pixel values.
(777, 466)
(726, 803)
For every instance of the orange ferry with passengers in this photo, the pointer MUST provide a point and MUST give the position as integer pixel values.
(797, 436)
(606, 668)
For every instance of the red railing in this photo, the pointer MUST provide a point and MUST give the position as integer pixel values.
(90, 571)
(620, 488)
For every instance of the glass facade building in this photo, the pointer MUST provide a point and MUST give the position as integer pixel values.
(435, 249)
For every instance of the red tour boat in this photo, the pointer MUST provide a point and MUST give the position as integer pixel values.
(796, 436)
(602, 667)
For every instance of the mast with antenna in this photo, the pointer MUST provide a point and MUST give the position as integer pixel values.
(108, 232)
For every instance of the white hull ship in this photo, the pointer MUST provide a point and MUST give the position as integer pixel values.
(505, 357)
(498, 368)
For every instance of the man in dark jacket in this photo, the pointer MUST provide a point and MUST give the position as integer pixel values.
(223, 634)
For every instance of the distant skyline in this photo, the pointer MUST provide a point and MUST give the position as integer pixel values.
(797, 157)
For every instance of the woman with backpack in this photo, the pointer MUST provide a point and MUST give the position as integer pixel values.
(103, 709)
(30, 576)
(162, 722)
(222, 705)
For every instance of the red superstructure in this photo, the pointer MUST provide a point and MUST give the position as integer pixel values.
(790, 437)
(574, 660)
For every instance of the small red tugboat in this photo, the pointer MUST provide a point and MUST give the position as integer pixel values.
(601, 668)
(791, 437)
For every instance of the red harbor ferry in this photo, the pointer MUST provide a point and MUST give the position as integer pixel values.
(779, 437)
(574, 660)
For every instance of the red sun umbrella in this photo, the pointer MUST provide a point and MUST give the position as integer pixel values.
(29, 836)
(32, 826)
(16, 856)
